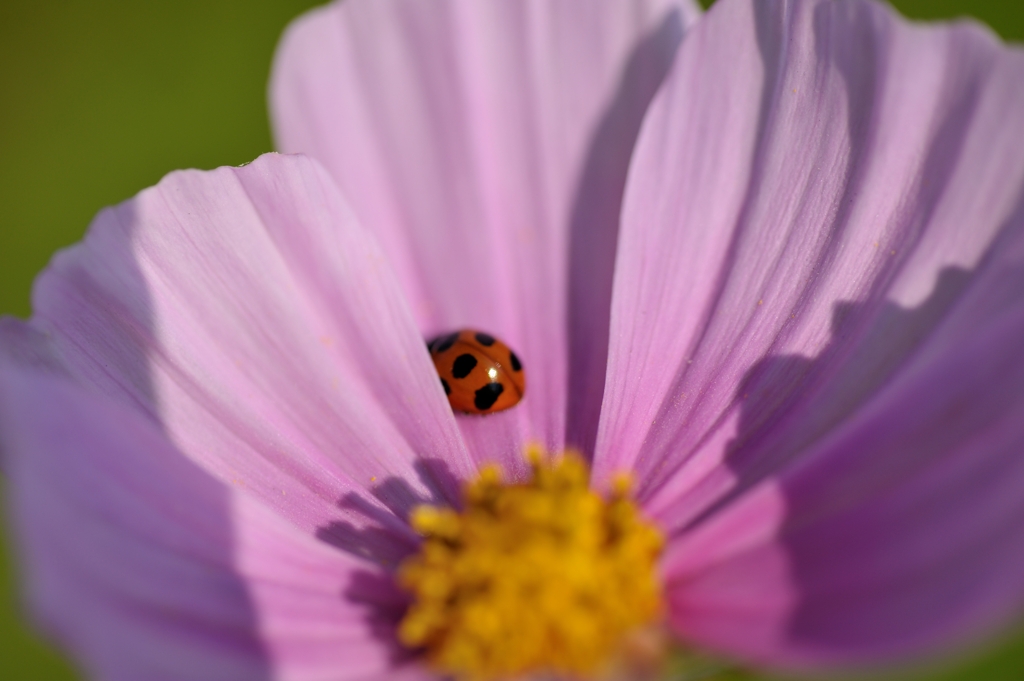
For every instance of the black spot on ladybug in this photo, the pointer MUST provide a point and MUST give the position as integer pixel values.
(516, 366)
(485, 339)
(462, 365)
(442, 343)
(488, 395)
(447, 388)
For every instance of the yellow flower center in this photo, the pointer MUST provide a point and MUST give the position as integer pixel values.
(545, 576)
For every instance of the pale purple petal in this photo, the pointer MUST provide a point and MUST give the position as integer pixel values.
(145, 567)
(250, 317)
(819, 286)
(899, 534)
(815, 185)
(486, 144)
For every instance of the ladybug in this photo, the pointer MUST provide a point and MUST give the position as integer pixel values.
(479, 373)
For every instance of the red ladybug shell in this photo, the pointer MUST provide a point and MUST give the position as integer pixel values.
(480, 374)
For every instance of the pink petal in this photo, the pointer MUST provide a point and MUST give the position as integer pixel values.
(145, 567)
(245, 312)
(486, 144)
(818, 276)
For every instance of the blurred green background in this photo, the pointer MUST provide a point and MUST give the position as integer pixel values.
(101, 99)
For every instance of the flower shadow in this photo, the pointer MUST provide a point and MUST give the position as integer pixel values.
(594, 225)
(94, 309)
(380, 533)
(788, 402)
(378, 539)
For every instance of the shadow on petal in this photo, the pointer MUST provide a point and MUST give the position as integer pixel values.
(385, 603)
(141, 624)
(788, 402)
(594, 230)
(900, 474)
(385, 606)
(376, 537)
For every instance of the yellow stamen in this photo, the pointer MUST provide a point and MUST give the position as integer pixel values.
(545, 576)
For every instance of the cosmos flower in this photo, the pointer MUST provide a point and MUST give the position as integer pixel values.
(769, 264)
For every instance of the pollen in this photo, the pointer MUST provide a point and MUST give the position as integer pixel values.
(543, 577)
